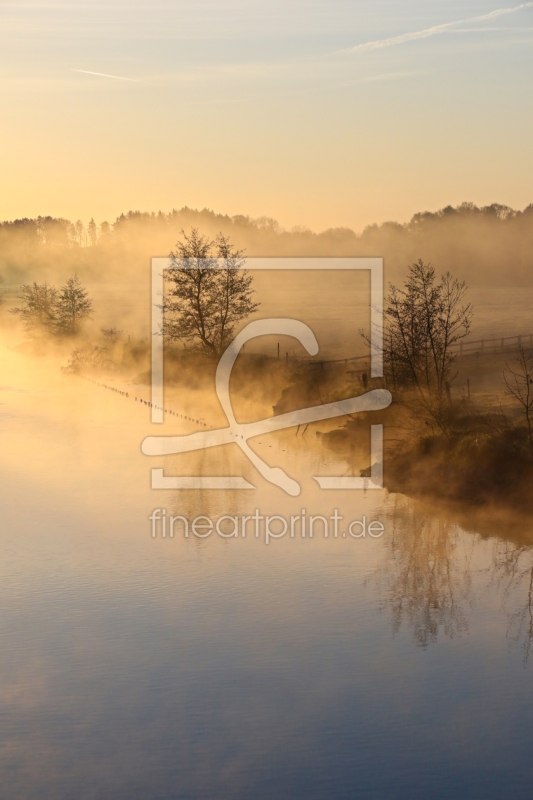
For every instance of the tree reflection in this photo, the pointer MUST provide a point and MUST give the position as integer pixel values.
(431, 562)
(513, 573)
(427, 579)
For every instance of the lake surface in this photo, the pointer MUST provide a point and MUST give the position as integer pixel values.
(137, 667)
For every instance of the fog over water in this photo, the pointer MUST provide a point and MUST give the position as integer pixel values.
(165, 667)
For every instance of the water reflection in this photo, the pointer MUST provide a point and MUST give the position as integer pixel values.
(426, 580)
(513, 576)
(135, 667)
(434, 570)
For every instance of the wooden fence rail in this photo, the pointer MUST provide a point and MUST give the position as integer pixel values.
(493, 345)
(487, 346)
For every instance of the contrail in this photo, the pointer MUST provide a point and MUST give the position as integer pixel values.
(103, 75)
(434, 31)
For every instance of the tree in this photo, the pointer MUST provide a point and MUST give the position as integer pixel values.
(209, 292)
(423, 322)
(38, 310)
(80, 232)
(54, 231)
(111, 334)
(89, 357)
(518, 379)
(92, 232)
(72, 307)
(105, 230)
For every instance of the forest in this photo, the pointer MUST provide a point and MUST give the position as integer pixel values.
(489, 245)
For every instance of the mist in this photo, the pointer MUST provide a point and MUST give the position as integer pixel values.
(487, 247)
(490, 244)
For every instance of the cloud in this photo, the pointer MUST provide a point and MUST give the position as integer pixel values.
(104, 75)
(427, 33)
(493, 28)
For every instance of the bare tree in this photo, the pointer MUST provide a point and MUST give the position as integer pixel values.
(72, 307)
(37, 311)
(111, 334)
(208, 293)
(518, 379)
(88, 358)
(424, 320)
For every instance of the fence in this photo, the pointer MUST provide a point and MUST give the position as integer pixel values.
(9, 289)
(474, 347)
(498, 344)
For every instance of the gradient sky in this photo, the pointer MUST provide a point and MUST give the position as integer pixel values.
(315, 112)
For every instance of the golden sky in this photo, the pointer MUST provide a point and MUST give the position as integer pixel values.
(315, 112)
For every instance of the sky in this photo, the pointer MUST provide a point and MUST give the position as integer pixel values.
(319, 113)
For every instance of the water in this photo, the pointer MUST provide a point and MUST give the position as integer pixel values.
(139, 667)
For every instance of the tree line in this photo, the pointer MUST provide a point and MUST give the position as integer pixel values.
(482, 245)
(47, 230)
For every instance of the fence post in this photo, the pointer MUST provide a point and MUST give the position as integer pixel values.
(460, 348)
(502, 344)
